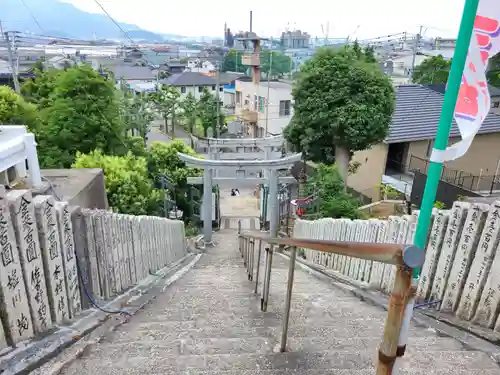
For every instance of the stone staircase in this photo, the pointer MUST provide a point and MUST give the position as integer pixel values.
(209, 322)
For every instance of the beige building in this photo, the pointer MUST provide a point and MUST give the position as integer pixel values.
(268, 104)
(411, 138)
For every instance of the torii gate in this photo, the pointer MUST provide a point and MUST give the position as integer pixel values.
(273, 180)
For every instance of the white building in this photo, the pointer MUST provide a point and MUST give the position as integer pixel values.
(194, 83)
(267, 104)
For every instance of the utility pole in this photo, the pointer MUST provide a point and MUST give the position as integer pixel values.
(415, 49)
(268, 84)
(217, 97)
(11, 49)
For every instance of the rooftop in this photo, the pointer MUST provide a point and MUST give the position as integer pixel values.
(131, 72)
(416, 118)
(189, 79)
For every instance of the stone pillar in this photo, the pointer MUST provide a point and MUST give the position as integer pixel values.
(450, 242)
(273, 200)
(50, 245)
(69, 259)
(14, 304)
(432, 253)
(22, 211)
(481, 264)
(94, 272)
(463, 257)
(207, 205)
(82, 253)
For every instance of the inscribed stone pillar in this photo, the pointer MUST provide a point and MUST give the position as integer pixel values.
(111, 255)
(432, 254)
(90, 236)
(102, 253)
(371, 237)
(481, 264)
(82, 254)
(50, 245)
(69, 258)
(207, 205)
(135, 224)
(14, 302)
(456, 221)
(22, 212)
(463, 257)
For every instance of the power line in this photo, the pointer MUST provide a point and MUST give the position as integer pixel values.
(32, 15)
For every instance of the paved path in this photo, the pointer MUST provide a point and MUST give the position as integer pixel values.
(209, 322)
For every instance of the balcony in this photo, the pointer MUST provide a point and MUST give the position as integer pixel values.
(249, 115)
(250, 59)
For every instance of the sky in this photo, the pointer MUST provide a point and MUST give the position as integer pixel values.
(361, 19)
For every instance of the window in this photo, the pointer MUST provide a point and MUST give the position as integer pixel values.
(262, 102)
(183, 90)
(496, 105)
(238, 97)
(255, 102)
(285, 107)
(213, 88)
(200, 88)
(221, 88)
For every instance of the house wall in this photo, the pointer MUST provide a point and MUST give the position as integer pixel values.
(483, 154)
(278, 91)
(370, 172)
(194, 90)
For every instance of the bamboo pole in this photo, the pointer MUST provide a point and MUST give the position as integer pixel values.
(388, 351)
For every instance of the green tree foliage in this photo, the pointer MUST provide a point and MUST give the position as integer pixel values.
(433, 70)
(328, 187)
(342, 104)
(190, 112)
(136, 113)
(129, 189)
(14, 110)
(163, 160)
(207, 113)
(82, 116)
(232, 62)
(166, 100)
(279, 66)
(38, 90)
(493, 73)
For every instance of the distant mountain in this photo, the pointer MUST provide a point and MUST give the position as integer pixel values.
(65, 20)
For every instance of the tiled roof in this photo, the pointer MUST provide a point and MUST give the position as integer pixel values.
(130, 72)
(416, 118)
(441, 88)
(189, 79)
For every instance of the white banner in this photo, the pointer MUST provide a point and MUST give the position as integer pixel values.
(473, 103)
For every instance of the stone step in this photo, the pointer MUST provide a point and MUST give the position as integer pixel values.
(151, 362)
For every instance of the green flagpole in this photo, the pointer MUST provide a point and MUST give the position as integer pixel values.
(435, 167)
(444, 127)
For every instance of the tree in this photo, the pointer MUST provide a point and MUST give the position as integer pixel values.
(82, 115)
(190, 107)
(128, 187)
(37, 90)
(327, 186)
(370, 54)
(14, 110)
(163, 160)
(342, 104)
(281, 64)
(207, 112)
(493, 73)
(232, 62)
(166, 99)
(433, 70)
(137, 113)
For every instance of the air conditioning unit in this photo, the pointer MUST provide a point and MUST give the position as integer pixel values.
(9, 177)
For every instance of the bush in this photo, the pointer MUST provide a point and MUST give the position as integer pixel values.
(129, 189)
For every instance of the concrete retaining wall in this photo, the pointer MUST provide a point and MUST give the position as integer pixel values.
(48, 247)
(462, 265)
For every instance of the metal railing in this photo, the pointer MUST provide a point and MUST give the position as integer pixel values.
(405, 258)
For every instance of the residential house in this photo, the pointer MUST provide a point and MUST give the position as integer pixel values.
(410, 141)
(228, 82)
(200, 66)
(175, 67)
(194, 83)
(268, 104)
